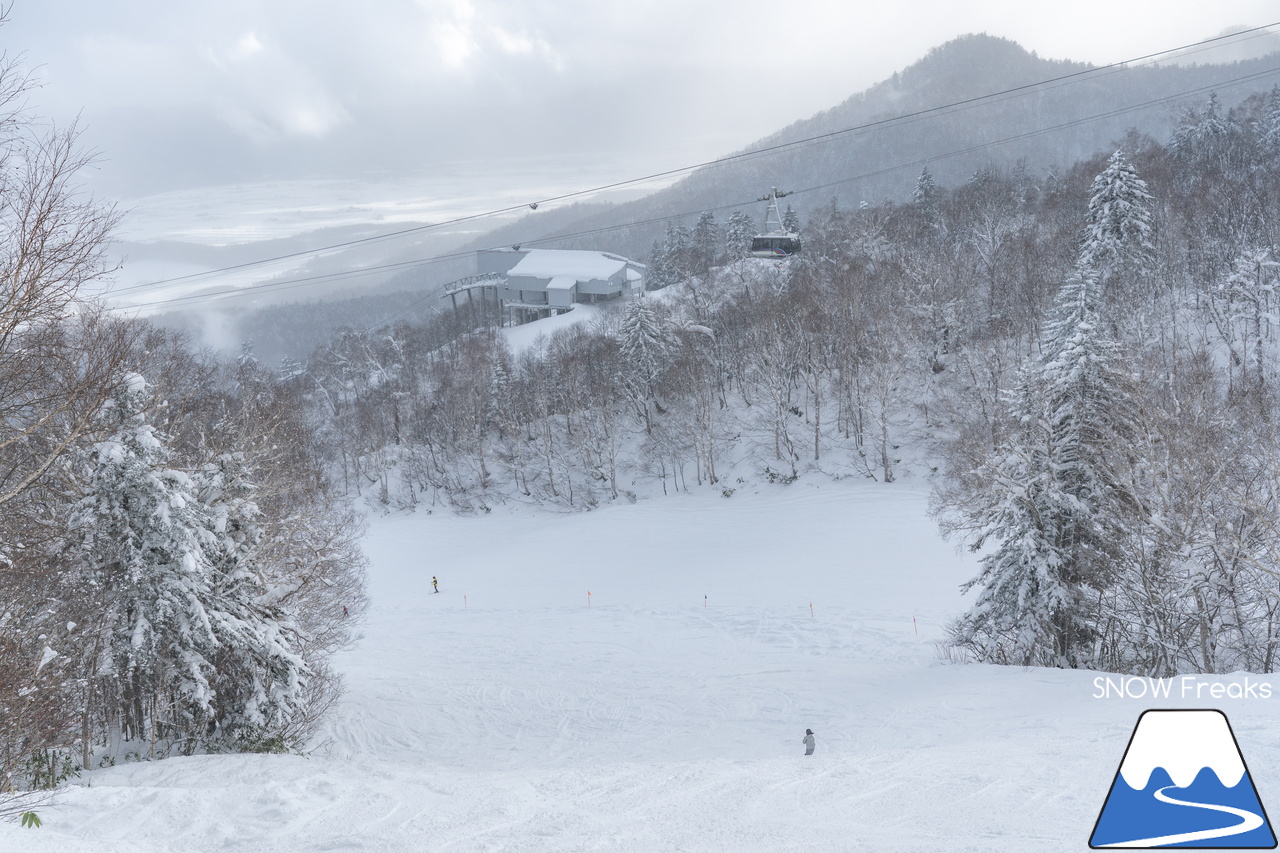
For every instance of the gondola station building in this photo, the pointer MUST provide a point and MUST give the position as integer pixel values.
(537, 283)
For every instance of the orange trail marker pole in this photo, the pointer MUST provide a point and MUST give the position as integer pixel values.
(588, 598)
(810, 608)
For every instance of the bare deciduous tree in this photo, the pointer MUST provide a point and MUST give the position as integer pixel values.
(58, 359)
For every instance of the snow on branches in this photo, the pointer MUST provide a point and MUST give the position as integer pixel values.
(1118, 229)
(189, 641)
(1058, 495)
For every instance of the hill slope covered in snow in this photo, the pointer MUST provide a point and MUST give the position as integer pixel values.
(506, 713)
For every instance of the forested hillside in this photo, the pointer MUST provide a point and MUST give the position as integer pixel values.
(1084, 362)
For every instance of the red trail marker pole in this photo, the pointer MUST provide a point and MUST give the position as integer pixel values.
(810, 608)
(914, 625)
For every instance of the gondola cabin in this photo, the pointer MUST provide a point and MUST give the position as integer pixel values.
(776, 243)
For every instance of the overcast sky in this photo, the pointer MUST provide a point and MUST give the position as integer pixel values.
(181, 94)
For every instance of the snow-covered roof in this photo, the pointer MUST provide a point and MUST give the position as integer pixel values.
(569, 263)
(562, 282)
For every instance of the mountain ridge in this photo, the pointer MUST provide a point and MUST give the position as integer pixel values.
(858, 164)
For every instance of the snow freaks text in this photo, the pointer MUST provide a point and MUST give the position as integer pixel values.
(1180, 687)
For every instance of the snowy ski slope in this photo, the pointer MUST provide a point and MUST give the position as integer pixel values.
(506, 713)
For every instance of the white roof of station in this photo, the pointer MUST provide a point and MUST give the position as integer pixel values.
(568, 263)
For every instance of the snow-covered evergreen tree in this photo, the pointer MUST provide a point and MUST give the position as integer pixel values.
(926, 202)
(645, 345)
(192, 639)
(143, 540)
(705, 242)
(1201, 133)
(738, 234)
(657, 276)
(1058, 503)
(498, 401)
(676, 254)
(1118, 229)
(926, 192)
(1090, 411)
(790, 221)
(260, 674)
(1026, 609)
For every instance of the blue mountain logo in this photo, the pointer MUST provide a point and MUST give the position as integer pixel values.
(1183, 783)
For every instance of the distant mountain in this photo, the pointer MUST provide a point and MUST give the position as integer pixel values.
(935, 112)
(1252, 46)
(1051, 125)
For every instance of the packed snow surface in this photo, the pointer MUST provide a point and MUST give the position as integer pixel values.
(639, 678)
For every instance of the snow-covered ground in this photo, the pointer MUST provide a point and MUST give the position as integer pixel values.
(510, 712)
(526, 335)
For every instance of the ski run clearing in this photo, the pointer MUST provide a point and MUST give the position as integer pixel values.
(514, 712)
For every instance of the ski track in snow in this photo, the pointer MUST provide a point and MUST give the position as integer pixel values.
(520, 719)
